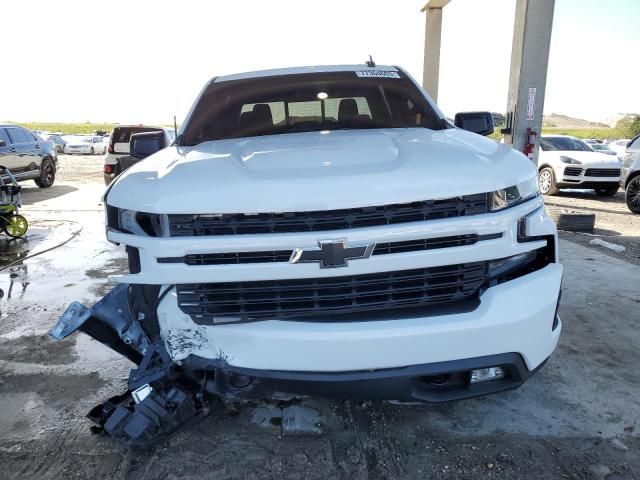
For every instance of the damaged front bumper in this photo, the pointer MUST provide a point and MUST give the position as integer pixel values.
(165, 390)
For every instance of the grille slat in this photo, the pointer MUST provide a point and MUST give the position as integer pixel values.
(275, 256)
(602, 172)
(242, 301)
(315, 221)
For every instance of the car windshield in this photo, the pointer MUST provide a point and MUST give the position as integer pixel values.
(563, 144)
(307, 103)
(86, 139)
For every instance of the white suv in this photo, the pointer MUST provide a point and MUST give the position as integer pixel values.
(567, 162)
(324, 230)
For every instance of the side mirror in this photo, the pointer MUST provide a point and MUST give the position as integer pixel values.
(144, 144)
(476, 122)
(3, 143)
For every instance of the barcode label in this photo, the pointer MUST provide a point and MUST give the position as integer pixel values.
(377, 74)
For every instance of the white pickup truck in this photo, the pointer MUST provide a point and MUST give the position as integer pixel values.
(325, 231)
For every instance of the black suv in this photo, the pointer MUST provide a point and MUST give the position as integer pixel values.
(28, 156)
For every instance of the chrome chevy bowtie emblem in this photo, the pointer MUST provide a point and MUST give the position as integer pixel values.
(332, 253)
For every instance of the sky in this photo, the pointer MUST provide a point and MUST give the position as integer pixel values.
(142, 61)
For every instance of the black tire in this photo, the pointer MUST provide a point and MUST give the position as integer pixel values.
(607, 190)
(47, 174)
(91, 151)
(547, 181)
(632, 194)
(573, 221)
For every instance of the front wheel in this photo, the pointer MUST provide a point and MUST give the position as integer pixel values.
(16, 226)
(91, 151)
(547, 181)
(47, 174)
(607, 191)
(632, 195)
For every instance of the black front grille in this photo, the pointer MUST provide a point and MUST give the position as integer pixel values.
(316, 221)
(602, 172)
(275, 256)
(211, 303)
(572, 171)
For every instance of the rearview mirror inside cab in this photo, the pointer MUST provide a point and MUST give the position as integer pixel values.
(144, 144)
(476, 122)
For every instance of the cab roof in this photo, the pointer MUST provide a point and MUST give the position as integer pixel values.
(309, 69)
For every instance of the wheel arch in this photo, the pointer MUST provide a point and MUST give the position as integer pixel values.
(630, 177)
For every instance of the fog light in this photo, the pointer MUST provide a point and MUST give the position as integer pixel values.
(486, 374)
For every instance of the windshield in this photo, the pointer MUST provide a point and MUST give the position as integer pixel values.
(306, 103)
(563, 144)
(86, 139)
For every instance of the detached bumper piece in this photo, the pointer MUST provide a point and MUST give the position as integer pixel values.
(159, 397)
(141, 424)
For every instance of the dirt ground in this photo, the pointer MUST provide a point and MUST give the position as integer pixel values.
(614, 222)
(578, 418)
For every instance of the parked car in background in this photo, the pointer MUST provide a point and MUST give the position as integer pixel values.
(27, 155)
(567, 162)
(57, 140)
(601, 148)
(117, 159)
(630, 175)
(591, 141)
(619, 146)
(86, 145)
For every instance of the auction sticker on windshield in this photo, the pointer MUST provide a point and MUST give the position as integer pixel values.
(377, 74)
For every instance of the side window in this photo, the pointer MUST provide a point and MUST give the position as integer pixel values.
(18, 135)
(4, 136)
(635, 145)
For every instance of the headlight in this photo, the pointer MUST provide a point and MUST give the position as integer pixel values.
(127, 221)
(570, 160)
(508, 197)
(140, 223)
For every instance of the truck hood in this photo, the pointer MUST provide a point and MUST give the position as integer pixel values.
(319, 171)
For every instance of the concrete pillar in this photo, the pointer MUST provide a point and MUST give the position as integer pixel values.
(432, 35)
(528, 78)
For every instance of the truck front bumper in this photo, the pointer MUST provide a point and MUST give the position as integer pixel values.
(518, 316)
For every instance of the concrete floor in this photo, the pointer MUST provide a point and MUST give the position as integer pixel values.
(577, 418)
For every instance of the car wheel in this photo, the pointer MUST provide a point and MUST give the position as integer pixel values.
(47, 174)
(104, 150)
(572, 221)
(91, 151)
(547, 181)
(632, 194)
